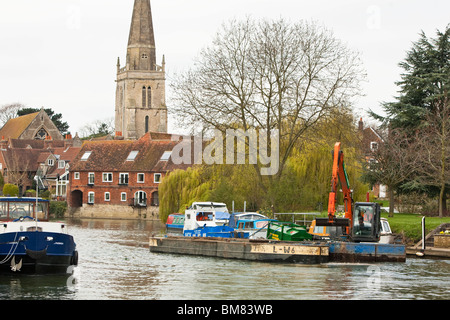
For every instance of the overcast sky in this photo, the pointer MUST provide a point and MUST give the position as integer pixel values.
(62, 54)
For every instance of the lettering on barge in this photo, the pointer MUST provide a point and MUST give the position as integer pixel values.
(286, 249)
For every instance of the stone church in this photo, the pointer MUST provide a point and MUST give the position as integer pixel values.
(140, 94)
(33, 126)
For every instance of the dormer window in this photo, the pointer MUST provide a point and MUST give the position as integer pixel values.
(86, 155)
(166, 155)
(50, 162)
(61, 164)
(132, 155)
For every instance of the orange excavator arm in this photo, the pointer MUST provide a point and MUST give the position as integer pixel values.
(339, 177)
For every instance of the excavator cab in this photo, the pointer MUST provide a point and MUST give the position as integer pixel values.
(366, 222)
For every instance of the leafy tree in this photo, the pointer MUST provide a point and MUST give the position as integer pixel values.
(425, 80)
(10, 190)
(56, 118)
(424, 88)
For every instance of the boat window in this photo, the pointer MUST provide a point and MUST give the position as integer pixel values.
(386, 227)
(318, 229)
(204, 216)
(34, 228)
(4, 210)
(261, 224)
(20, 209)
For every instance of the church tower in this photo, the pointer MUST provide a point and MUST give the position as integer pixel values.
(140, 94)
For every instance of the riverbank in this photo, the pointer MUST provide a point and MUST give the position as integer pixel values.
(409, 226)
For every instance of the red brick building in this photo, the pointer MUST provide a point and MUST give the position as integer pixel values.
(22, 159)
(371, 139)
(120, 179)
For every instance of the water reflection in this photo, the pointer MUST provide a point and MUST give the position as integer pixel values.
(115, 263)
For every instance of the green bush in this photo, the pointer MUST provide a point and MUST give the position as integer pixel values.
(30, 193)
(46, 194)
(10, 190)
(58, 209)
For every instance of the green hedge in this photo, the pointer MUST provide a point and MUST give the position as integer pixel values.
(58, 209)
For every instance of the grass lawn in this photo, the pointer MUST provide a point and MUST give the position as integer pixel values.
(411, 224)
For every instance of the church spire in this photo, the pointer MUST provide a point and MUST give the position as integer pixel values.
(141, 53)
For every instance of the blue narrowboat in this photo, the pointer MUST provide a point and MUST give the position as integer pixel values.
(29, 243)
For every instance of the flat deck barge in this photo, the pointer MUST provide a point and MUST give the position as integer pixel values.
(246, 249)
(305, 252)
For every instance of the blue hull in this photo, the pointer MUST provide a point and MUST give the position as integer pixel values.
(216, 232)
(37, 252)
(366, 252)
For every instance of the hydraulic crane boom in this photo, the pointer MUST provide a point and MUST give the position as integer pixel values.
(362, 219)
(339, 176)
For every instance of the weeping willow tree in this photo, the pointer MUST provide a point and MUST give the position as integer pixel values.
(304, 184)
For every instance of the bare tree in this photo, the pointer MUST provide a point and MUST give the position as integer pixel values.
(392, 163)
(18, 168)
(268, 75)
(98, 128)
(433, 150)
(9, 111)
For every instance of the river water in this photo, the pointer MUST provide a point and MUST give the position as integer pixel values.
(115, 264)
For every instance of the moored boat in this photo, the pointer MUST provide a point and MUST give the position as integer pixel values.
(253, 223)
(209, 219)
(175, 223)
(31, 244)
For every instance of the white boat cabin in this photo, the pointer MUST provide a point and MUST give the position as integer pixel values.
(205, 214)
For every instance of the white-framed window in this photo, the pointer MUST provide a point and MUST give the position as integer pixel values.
(123, 196)
(61, 164)
(50, 162)
(107, 177)
(123, 178)
(140, 198)
(91, 197)
(107, 196)
(141, 177)
(91, 178)
(374, 146)
(76, 175)
(157, 177)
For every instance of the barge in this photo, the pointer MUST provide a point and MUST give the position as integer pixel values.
(342, 251)
(306, 252)
(244, 249)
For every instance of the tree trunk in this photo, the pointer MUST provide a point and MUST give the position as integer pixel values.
(391, 201)
(441, 200)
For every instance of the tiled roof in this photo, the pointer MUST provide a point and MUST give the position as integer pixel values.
(21, 159)
(35, 144)
(15, 127)
(112, 155)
